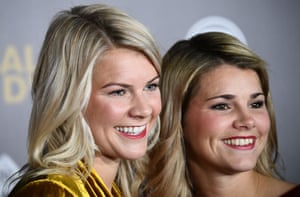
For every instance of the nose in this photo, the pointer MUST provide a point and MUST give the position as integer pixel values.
(141, 107)
(244, 121)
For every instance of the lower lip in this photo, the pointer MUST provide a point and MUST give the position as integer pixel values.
(135, 137)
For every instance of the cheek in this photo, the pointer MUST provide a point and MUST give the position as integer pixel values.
(199, 125)
(157, 105)
(264, 124)
(100, 112)
(154, 101)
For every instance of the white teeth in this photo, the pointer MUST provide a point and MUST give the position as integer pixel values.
(131, 130)
(239, 141)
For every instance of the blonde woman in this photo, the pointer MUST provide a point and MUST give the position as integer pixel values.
(95, 106)
(218, 132)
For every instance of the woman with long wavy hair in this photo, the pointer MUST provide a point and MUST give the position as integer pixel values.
(95, 109)
(218, 132)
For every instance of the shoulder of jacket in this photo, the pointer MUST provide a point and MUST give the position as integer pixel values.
(54, 185)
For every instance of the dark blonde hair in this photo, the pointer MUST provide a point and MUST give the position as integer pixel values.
(183, 65)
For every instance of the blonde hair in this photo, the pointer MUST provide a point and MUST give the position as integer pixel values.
(61, 88)
(183, 65)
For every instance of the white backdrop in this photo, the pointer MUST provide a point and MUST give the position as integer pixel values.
(271, 28)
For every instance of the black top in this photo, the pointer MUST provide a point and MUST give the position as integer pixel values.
(294, 192)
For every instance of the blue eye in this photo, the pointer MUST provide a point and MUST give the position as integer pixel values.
(120, 92)
(220, 106)
(152, 86)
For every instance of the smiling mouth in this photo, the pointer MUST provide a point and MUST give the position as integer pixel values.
(240, 141)
(133, 131)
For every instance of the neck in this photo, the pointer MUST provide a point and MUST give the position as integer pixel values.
(220, 184)
(107, 169)
(210, 182)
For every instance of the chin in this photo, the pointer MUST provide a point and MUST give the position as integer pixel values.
(134, 154)
(241, 164)
(244, 167)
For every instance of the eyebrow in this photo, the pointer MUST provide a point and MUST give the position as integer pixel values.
(230, 96)
(126, 85)
(153, 79)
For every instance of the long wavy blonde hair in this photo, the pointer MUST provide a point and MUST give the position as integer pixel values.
(183, 65)
(61, 88)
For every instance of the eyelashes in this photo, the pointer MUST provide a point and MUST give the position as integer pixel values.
(220, 106)
(227, 106)
(258, 104)
(119, 92)
(123, 91)
(152, 87)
